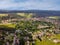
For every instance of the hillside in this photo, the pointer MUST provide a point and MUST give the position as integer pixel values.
(36, 12)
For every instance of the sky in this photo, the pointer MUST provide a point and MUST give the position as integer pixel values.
(30, 4)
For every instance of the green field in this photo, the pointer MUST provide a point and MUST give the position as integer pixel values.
(47, 42)
(54, 17)
(2, 15)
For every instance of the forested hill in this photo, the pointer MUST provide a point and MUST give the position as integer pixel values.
(37, 12)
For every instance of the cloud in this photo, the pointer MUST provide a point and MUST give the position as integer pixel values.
(30, 4)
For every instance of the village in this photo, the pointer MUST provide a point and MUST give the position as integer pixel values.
(25, 30)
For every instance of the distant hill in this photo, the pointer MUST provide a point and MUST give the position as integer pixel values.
(36, 12)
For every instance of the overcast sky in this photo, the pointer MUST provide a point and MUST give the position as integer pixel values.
(30, 4)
